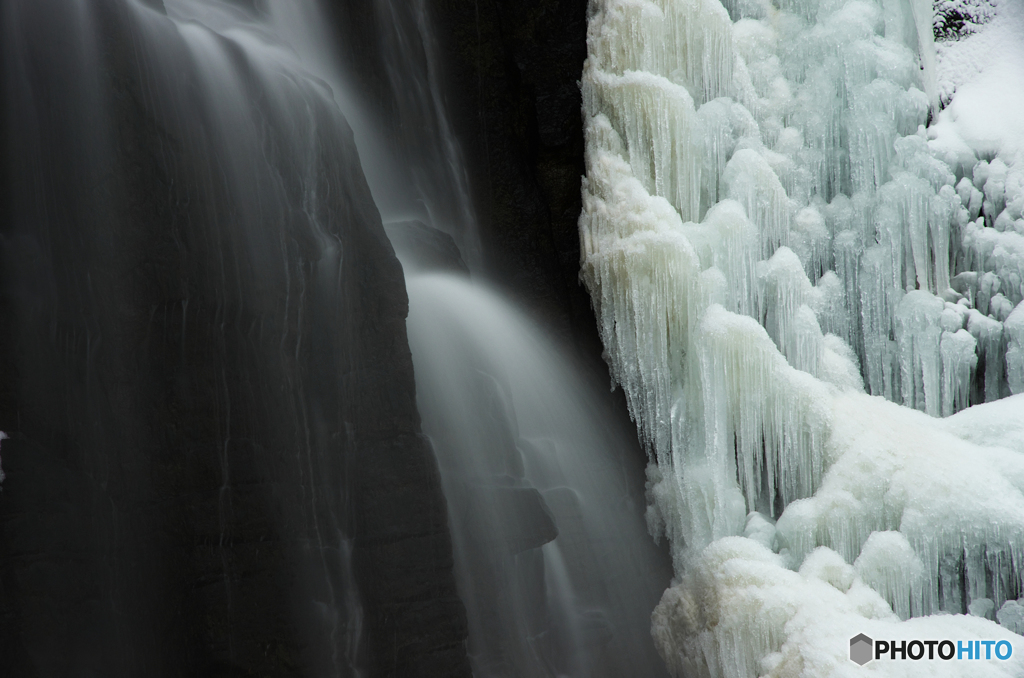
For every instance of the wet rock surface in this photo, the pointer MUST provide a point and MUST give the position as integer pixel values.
(424, 249)
(206, 379)
(508, 72)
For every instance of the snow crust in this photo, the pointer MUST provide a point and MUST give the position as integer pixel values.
(982, 76)
(794, 279)
(804, 620)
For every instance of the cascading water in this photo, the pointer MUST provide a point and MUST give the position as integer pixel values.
(552, 556)
(411, 62)
(198, 248)
(769, 231)
(204, 359)
(553, 559)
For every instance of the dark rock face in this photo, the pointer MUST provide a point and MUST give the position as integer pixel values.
(204, 373)
(518, 115)
(507, 72)
(422, 248)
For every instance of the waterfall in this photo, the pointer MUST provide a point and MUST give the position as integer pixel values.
(794, 279)
(553, 559)
(207, 384)
(552, 556)
(215, 464)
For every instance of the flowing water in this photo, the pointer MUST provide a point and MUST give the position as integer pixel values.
(544, 490)
(177, 289)
(553, 559)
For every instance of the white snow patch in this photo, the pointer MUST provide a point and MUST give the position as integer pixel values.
(740, 612)
(982, 76)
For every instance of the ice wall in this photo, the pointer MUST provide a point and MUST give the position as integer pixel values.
(794, 278)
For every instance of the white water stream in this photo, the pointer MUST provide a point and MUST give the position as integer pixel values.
(526, 447)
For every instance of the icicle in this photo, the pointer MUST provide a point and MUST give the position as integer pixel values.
(657, 124)
(749, 180)
(958, 362)
(988, 334)
(890, 565)
(1014, 327)
(688, 42)
(635, 254)
(917, 336)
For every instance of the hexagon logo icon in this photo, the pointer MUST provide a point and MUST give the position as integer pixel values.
(861, 649)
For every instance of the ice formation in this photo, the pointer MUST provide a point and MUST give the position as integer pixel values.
(795, 279)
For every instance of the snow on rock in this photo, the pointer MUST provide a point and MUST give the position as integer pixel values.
(981, 75)
(739, 611)
(1011, 616)
(897, 470)
(794, 279)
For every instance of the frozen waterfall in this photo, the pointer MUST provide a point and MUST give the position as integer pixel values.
(800, 263)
